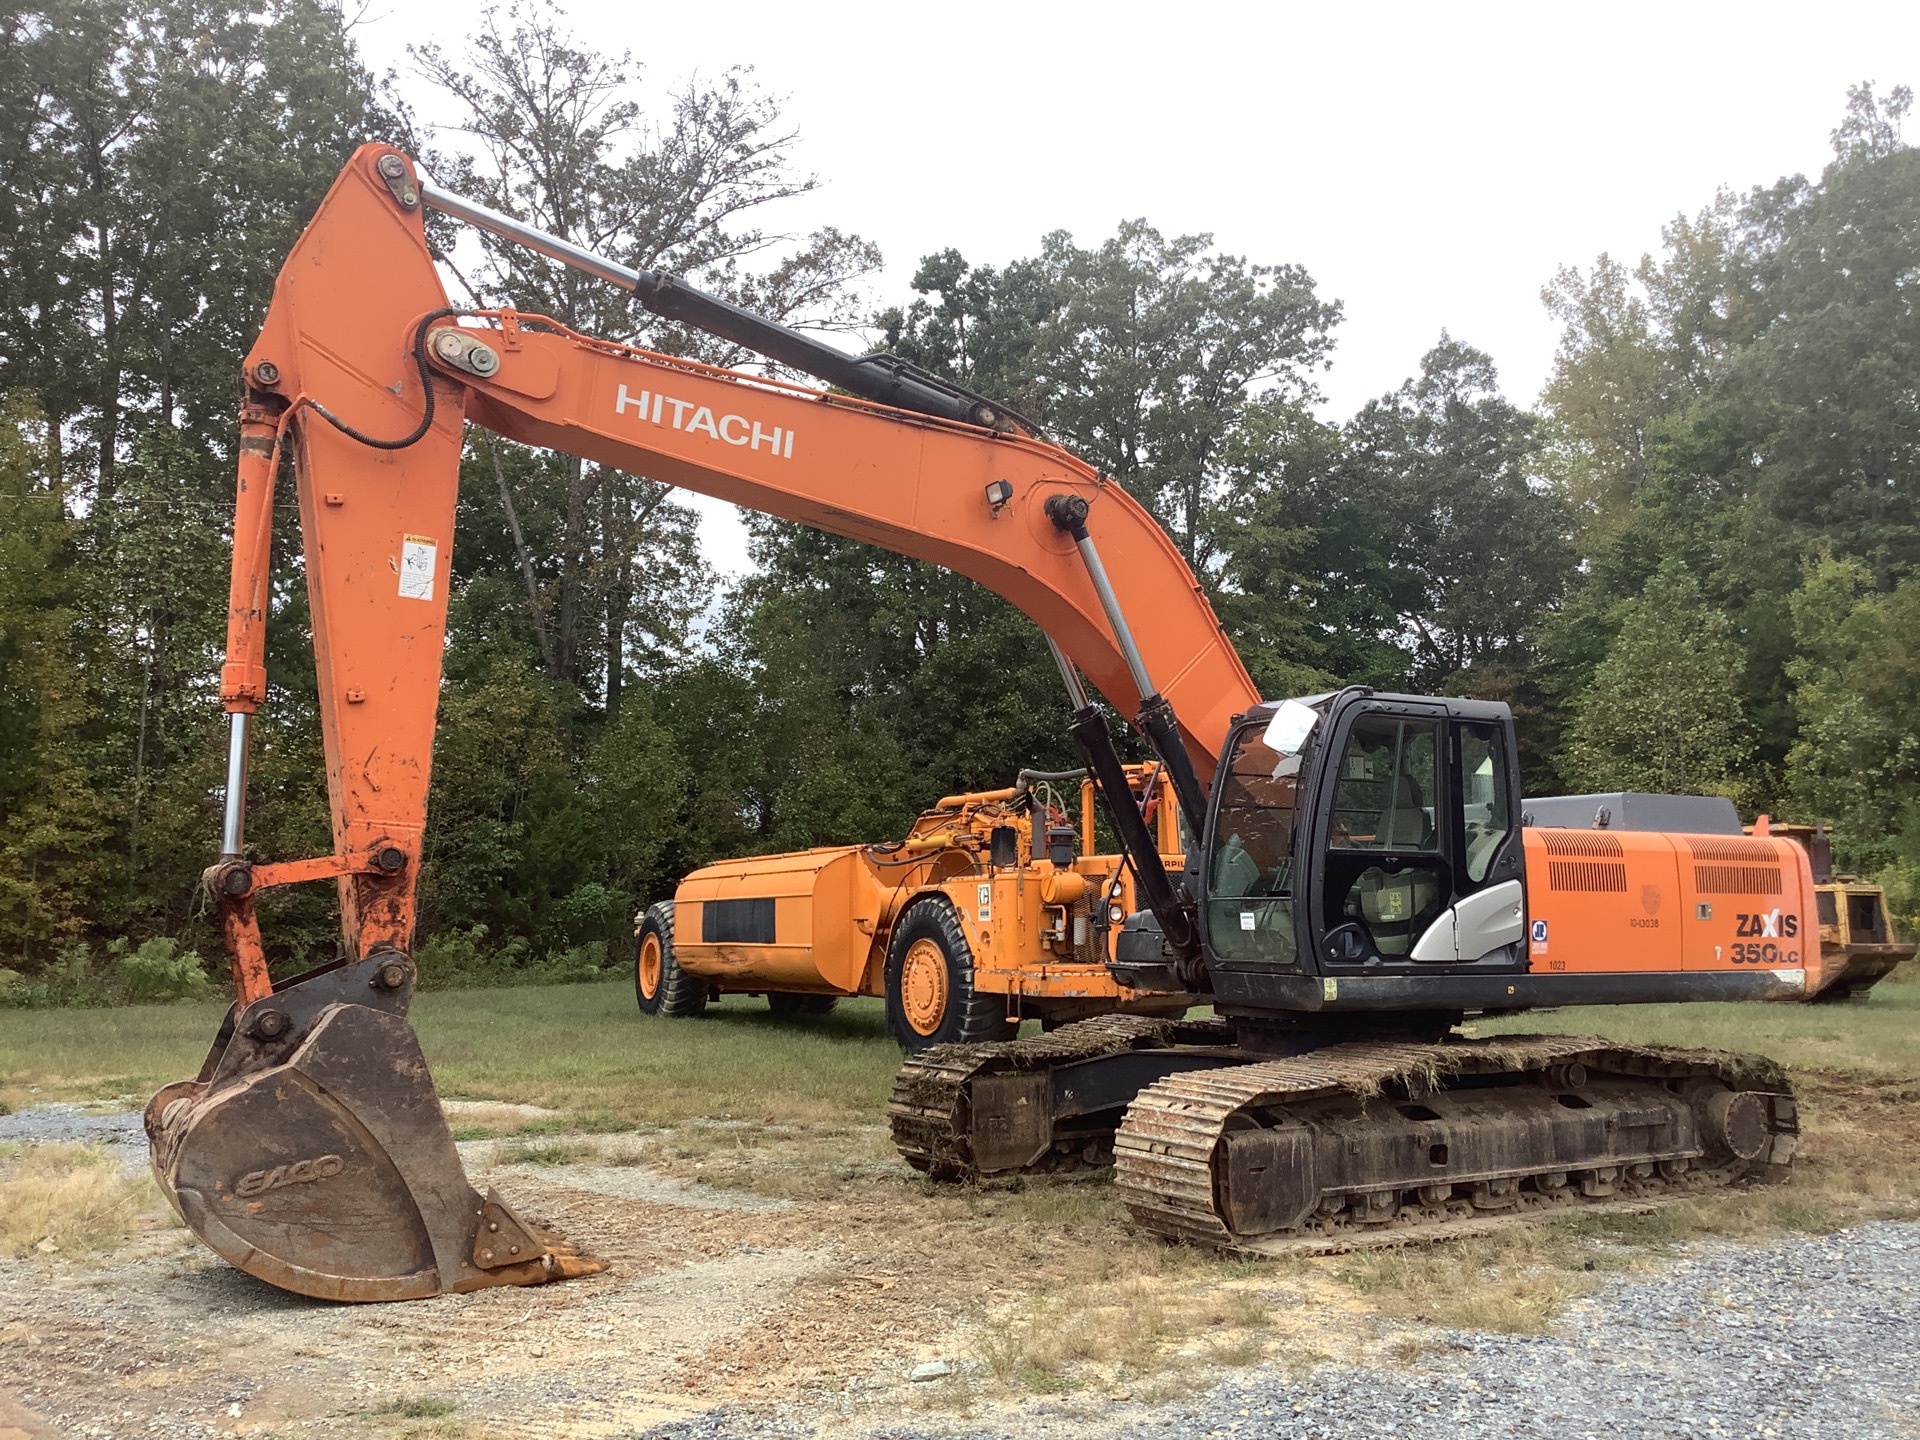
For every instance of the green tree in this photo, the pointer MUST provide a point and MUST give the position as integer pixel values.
(1412, 547)
(1856, 758)
(574, 582)
(1158, 360)
(883, 683)
(1291, 620)
(562, 138)
(1143, 354)
(52, 823)
(1663, 712)
(1475, 552)
(1747, 403)
(156, 163)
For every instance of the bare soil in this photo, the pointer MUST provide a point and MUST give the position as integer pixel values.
(799, 1270)
(716, 1294)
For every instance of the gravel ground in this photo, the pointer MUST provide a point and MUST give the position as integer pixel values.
(62, 1122)
(1812, 1339)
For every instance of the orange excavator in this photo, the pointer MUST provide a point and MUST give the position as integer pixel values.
(1359, 878)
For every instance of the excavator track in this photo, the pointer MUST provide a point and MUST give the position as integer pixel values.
(941, 1099)
(1365, 1145)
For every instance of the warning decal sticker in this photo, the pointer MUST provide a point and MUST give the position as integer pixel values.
(419, 556)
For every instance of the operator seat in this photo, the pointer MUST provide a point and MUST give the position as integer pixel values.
(1235, 872)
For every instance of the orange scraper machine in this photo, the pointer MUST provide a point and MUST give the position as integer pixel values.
(311, 1150)
(995, 908)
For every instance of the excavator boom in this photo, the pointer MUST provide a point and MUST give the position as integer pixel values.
(310, 1149)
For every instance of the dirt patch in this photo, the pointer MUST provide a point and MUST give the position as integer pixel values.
(164, 1338)
(800, 1268)
(719, 1293)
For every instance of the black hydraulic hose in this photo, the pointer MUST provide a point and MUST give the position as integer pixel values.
(884, 378)
(419, 432)
(1157, 723)
(1027, 779)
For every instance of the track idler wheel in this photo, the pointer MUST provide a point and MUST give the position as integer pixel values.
(312, 1152)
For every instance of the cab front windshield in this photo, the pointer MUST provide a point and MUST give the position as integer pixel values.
(1250, 870)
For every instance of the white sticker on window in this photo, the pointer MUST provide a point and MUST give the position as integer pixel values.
(418, 557)
(986, 904)
(1246, 919)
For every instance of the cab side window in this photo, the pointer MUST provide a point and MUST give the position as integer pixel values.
(1388, 787)
(1483, 794)
(1386, 878)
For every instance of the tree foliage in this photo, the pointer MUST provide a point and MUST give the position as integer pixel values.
(1692, 565)
(1663, 712)
(1747, 406)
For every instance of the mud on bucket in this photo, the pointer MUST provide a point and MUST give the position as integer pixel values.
(312, 1152)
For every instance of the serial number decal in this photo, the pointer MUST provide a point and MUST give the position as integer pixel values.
(259, 1182)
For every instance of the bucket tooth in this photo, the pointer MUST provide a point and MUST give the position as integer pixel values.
(314, 1155)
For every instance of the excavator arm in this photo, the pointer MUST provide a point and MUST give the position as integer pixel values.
(361, 346)
(310, 1149)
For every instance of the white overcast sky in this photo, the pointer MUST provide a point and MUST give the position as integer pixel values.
(1430, 164)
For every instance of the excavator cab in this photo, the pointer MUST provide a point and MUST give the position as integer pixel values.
(1362, 835)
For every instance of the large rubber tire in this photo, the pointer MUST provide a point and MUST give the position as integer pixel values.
(930, 994)
(789, 1006)
(659, 984)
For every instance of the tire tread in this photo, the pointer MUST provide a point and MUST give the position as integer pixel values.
(973, 1016)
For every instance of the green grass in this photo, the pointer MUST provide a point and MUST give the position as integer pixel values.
(426, 1408)
(1875, 1038)
(98, 1054)
(586, 1050)
(582, 1049)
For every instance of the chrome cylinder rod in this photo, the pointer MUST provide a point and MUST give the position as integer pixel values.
(1116, 618)
(233, 828)
(540, 241)
(1156, 719)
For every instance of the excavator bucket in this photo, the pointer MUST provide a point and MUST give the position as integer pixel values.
(312, 1153)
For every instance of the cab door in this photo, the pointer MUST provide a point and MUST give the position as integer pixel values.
(1489, 913)
(1414, 839)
